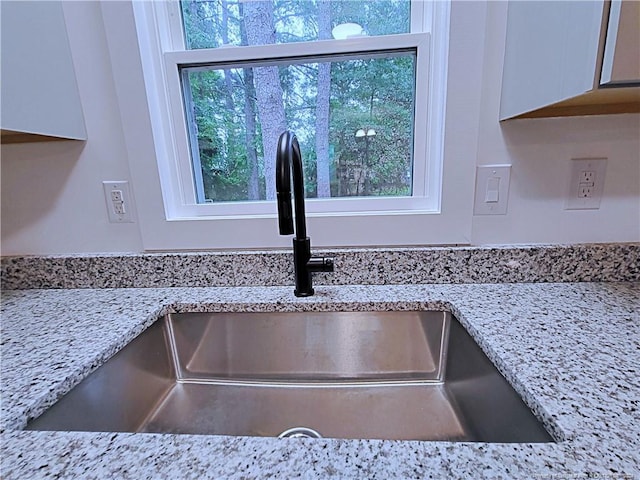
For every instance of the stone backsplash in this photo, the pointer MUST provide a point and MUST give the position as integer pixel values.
(618, 262)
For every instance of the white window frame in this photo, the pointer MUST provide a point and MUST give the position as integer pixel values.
(178, 184)
(423, 197)
(141, 87)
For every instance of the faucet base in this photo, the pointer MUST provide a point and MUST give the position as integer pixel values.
(301, 255)
(304, 294)
(304, 264)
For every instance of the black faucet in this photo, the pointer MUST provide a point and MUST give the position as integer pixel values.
(288, 162)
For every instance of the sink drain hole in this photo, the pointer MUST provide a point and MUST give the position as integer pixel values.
(300, 432)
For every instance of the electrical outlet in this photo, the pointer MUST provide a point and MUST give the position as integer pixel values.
(585, 191)
(118, 200)
(118, 207)
(116, 195)
(587, 176)
(586, 183)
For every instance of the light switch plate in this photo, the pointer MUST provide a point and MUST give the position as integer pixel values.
(492, 189)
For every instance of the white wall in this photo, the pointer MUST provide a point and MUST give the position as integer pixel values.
(52, 199)
(540, 151)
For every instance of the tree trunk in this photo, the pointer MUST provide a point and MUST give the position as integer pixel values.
(322, 105)
(227, 73)
(259, 24)
(253, 182)
(253, 179)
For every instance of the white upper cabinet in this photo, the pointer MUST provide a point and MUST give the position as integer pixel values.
(621, 60)
(40, 99)
(563, 58)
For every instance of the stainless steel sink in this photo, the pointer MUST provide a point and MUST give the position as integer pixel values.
(384, 375)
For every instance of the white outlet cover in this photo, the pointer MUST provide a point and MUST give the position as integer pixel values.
(123, 188)
(574, 201)
(487, 178)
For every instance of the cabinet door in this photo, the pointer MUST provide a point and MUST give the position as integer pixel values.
(551, 53)
(40, 97)
(555, 62)
(621, 61)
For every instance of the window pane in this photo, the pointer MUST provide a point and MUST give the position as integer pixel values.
(211, 24)
(353, 119)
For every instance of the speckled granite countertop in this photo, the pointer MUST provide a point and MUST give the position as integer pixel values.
(572, 350)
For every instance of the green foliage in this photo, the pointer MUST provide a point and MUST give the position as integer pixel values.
(369, 93)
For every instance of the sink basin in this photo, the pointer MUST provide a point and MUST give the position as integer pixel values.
(371, 375)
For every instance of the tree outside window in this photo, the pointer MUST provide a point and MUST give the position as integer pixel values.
(235, 113)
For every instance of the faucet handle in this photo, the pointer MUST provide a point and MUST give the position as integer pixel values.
(285, 214)
(320, 264)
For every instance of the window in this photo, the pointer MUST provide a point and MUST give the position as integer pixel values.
(351, 78)
(429, 202)
(235, 111)
(353, 118)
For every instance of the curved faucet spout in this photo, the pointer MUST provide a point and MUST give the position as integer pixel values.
(289, 160)
(288, 164)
